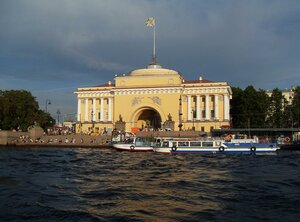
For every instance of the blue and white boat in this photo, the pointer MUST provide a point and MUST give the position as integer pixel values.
(215, 146)
(248, 147)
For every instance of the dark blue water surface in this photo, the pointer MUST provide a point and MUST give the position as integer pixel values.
(55, 184)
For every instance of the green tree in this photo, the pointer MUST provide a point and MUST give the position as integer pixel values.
(277, 108)
(256, 107)
(249, 107)
(295, 107)
(19, 109)
(237, 105)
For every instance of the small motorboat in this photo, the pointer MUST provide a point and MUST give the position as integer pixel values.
(136, 144)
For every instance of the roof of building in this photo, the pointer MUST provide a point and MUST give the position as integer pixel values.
(197, 81)
(105, 85)
(153, 71)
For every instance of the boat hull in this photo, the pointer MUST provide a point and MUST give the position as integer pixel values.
(217, 150)
(132, 148)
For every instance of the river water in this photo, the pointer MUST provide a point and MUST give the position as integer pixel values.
(71, 184)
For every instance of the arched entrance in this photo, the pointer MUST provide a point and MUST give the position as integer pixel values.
(148, 118)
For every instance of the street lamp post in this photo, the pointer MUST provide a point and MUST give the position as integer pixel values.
(180, 114)
(48, 102)
(58, 113)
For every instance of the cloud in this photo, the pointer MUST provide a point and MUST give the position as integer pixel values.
(74, 43)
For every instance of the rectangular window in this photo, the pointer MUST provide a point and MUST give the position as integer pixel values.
(207, 143)
(183, 144)
(203, 113)
(99, 115)
(212, 114)
(194, 113)
(198, 144)
(203, 99)
(106, 115)
(202, 128)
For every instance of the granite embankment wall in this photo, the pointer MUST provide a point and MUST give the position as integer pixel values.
(35, 137)
(8, 137)
(27, 139)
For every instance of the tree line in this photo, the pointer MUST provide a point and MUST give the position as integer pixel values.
(19, 110)
(251, 108)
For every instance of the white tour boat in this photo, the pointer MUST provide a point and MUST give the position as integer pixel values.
(186, 146)
(136, 144)
(215, 146)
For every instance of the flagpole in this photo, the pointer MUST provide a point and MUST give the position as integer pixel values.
(154, 54)
(151, 23)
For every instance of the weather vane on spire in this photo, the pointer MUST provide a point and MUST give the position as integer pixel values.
(151, 23)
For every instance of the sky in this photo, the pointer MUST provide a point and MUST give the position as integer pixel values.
(53, 47)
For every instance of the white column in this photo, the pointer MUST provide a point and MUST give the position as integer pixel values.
(94, 109)
(101, 109)
(86, 110)
(198, 108)
(216, 106)
(109, 109)
(207, 111)
(226, 107)
(79, 110)
(189, 114)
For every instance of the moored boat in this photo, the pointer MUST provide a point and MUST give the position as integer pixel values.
(248, 147)
(185, 146)
(136, 144)
(215, 146)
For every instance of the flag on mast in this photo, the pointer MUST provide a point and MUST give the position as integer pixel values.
(150, 22)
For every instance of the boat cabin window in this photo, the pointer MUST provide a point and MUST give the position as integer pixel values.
(165, 144)
(139, 141)
(129, 140)
(207, 143)
(195, 143)
(183, 143)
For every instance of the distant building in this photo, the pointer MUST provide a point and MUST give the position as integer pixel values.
(154, 98)
(288, 94)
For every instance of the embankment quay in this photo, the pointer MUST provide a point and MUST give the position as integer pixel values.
(24, 139)
(30, 139)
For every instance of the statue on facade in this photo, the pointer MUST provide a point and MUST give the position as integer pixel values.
(120, 118)
(169, 117)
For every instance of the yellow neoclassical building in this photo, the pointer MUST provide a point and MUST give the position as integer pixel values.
(151, 97)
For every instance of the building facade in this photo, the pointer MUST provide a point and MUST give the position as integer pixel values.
(288, 94)
(154, 98)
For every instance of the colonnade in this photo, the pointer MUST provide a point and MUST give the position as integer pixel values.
(205, 113)
(100, 113)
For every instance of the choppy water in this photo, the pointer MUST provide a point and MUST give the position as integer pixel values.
(55, 184)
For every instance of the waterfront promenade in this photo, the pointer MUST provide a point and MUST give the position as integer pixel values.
(25, 139)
